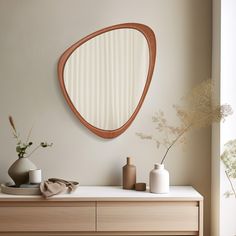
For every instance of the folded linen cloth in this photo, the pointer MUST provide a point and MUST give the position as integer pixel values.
(54, 186)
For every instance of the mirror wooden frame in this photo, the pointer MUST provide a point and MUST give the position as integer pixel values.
(151, 41)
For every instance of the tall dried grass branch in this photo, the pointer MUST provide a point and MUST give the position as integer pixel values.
(198, 110)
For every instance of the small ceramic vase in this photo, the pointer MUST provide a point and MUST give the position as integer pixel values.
(159, 179)
(19, 170)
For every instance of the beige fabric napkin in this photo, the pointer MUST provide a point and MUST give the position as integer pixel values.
(54, 186)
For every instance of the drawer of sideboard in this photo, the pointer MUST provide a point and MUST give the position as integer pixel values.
(51, 216)
(147, 216)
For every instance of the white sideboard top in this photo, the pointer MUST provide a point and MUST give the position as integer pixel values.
(113, 193)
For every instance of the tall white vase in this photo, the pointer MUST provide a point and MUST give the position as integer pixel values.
(159, 179)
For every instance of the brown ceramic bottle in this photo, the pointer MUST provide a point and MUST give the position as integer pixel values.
(129, 175)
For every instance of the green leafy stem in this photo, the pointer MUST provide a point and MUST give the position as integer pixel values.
(21, 147)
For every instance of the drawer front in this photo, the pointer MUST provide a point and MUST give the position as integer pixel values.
(48, 217)
(147, 216)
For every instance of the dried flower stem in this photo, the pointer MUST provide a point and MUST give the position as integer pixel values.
(231, 184)
(40, 145)
(12, 124)
(200, 112)
(29, 134)
(33, 150)
(21, 147)
(174, 141)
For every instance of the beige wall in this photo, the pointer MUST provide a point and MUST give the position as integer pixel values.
(33, 36)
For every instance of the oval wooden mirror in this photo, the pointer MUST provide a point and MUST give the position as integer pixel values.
(105, 76)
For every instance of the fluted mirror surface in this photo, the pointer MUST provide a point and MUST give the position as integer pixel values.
(104, 77)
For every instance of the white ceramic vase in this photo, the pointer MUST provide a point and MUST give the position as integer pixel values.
(159, 181)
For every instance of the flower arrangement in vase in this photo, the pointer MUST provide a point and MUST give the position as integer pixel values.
(19, 170)
(200, 112)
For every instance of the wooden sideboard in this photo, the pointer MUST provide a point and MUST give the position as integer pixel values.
(104, 210)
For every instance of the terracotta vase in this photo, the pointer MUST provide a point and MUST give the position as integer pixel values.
(129, 175)
(159, 179)
(19, 170)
